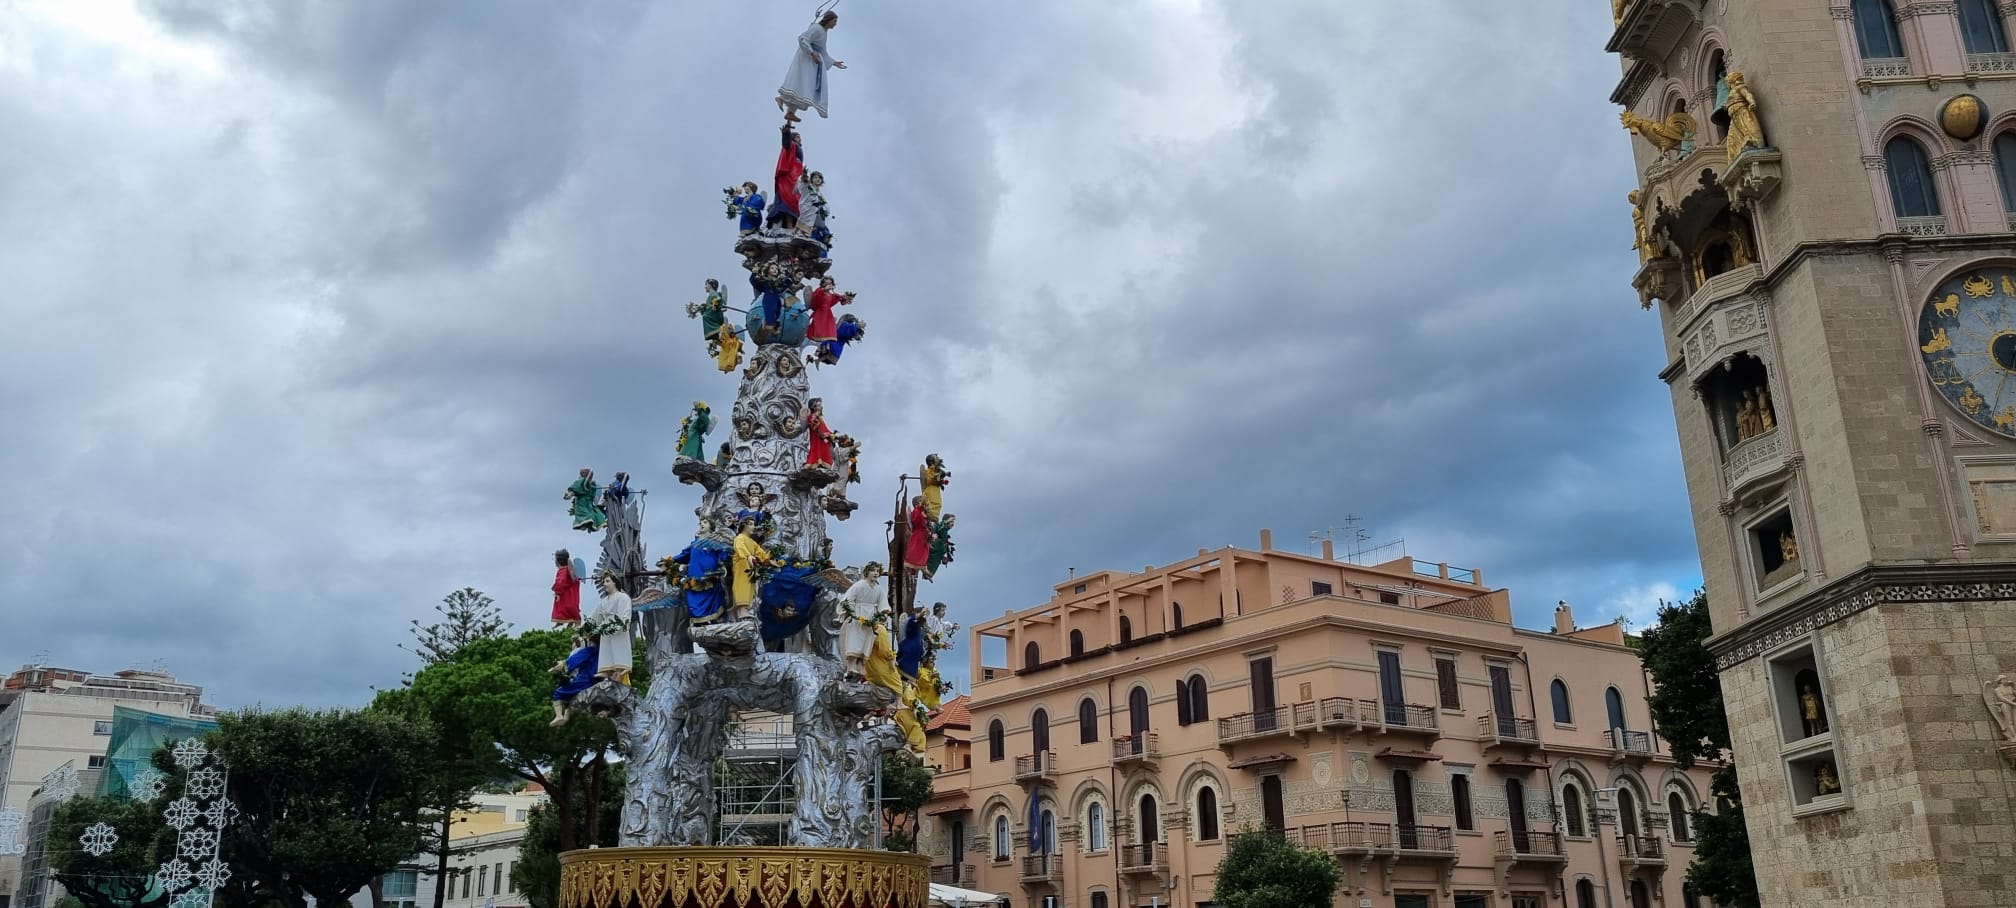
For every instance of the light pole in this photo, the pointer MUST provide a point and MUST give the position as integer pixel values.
(1603, 796)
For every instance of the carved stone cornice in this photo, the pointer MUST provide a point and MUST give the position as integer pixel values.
(1934, 428)
(1843, 12)
(1875, 162)
(1868, 587)
(1928, 8)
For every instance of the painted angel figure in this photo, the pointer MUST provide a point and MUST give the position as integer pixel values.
(746, 205)
(713, 313)
(820, 452)
(812, 212)
(568, 575)
(863, 608)
(823, 300)
(941, 626)
(941, 545)
(693, 432)
(789, 177)
(578, 672)
(749, 555)
(611, 621)
(935, 479)
(582, 494)
(917, 548)
(805, 82)
(851, 329)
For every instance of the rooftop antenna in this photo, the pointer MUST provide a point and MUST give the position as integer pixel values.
(1317, 537)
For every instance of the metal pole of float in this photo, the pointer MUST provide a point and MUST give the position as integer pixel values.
(878, 804)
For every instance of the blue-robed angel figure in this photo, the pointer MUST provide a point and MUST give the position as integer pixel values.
(748, 206)
(579, 671)
(910, 650)
(850, 329)
(703, 564)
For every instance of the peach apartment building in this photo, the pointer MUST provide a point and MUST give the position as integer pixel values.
(1390, 715)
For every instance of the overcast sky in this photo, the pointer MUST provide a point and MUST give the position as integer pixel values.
(312, 309)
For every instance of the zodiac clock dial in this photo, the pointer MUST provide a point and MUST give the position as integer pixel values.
(1967, 333)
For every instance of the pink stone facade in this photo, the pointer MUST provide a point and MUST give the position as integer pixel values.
(1389, 715)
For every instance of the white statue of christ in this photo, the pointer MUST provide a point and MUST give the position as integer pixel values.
(805, 82)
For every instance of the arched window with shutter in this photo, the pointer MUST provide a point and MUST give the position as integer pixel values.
(1199, 696)
(1031, 654)
(997, 742)
(1910, 172)
(1207, 814)
(1004, 839)
(1088, 721)
(1137, 711)
(1077, 642)
(1563, 715)
(1183, 702)
(1573, 813)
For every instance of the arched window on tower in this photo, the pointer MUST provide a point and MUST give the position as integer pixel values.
(1126, 630)
(1031, 654)
(2005, 169)
(1088, 721)
(1563, 715)
(1876, 34)
(1176, 616)
(1725, 245)
(1737, 394)
(997, 742)
(1910, 171)
(1981, 28)
(1719, 116)
(1077, 642)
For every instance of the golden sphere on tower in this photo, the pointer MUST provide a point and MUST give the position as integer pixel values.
(1963, 117)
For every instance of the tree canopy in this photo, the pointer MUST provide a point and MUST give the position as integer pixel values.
(466, 617)
(1687, 711)
(1265, 870)
(327, 800)
(906, 788)
(494, 698)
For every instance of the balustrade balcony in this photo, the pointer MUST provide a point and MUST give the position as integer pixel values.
(1507, 731)
(1144, 749)
(1037, 767)
(1152, 857)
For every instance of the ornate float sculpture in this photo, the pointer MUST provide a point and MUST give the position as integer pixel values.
(752, 614)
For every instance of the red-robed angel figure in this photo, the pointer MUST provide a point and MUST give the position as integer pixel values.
(790, 169)
(820, 453)
(917, 549)
(825, 325)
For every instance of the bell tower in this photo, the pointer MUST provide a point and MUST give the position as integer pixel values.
(1826, 190)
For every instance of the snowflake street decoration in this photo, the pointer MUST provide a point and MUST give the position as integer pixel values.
(61, 783)
(199, 818)
(98, 839)
(147, 784)
(11, 823)
(199, 841)
(206, 784)
(175, 874)
(214, 875)
(190, 753)
(182, 813)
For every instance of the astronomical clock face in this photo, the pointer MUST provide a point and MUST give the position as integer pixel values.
(1967, 334)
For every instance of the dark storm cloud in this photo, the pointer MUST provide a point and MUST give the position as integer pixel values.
(321, 304)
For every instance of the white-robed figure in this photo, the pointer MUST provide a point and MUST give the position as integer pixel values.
(805, 82)
(864, 605)
(612, 619)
